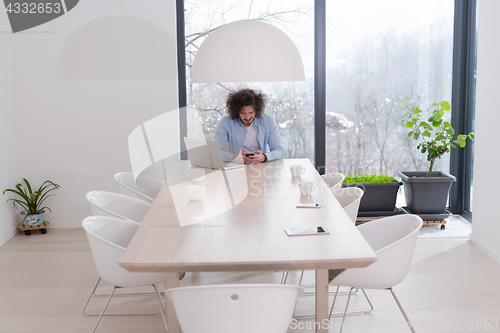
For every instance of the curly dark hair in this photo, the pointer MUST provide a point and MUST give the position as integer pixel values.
(237, 100)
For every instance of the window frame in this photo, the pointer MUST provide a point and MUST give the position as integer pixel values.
(463, 102)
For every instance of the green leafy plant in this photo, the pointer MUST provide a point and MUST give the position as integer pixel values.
(435, 136)
(29, 200)
(363, 179)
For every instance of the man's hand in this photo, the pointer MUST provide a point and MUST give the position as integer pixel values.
(239, 158)
(247, 159)
(257, 158)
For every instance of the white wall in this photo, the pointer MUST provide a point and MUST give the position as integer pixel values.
(486, 221)
(72, 126)
(8, 156)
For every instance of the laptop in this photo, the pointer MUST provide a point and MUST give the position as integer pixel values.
(206, 154)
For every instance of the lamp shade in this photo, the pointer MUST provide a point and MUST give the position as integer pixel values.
(247, 51)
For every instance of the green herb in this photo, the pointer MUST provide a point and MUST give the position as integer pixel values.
(30, 200)
(435, 135)
(358, 179)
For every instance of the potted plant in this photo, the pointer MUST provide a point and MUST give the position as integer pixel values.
(32, 200)
(426, 192)
(380, 193)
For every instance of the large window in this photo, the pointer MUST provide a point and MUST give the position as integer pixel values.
(380, 54)
(290, 103)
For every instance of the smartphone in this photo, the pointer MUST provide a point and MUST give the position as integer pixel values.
(250, 154)
(306, 231)
(308, 205)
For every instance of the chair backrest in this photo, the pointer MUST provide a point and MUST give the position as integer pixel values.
(333, 180)
(117, 205)
(349, 198)
(393, 239)
(144, 188)
(108, 238)
(245, 308)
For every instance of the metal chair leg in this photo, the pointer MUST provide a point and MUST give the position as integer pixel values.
(310, 293)
(345, 312)
(284, 276)
(160, 302)
(353, 312)
(301, 276)
(402, 311)
(92, 293)
(104, 309)
(352, 291)
(114, 294)
(333, 304)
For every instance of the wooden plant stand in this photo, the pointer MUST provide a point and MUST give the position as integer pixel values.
(27, 228)
(434, 222)
(428, 222)
(366, 218)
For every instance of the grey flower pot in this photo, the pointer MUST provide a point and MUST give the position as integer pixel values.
(426, 195)
(378, 197)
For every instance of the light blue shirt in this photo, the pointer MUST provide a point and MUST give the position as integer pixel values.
(231, 135)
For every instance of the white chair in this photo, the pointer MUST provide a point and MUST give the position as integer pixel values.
(393, 239)
(349, 198)
(144, 188)
(111, 204)
(333, 180)
(117, 205)
(108, 238)
(245, 308)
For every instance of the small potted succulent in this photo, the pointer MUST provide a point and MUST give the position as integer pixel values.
(32, 200)
(380, 193)
(426, 192)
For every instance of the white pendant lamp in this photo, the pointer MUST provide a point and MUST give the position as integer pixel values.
(247, 51)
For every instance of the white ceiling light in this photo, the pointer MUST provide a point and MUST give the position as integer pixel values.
(247, 51)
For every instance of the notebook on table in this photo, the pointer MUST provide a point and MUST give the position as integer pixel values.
(205, 153)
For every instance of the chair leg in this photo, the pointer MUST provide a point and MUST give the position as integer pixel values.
(301, 276)
(352, 291)
(334, 299)
(402, 311)
(368, 300)
(284, 277)
(104, 309)
(354, 312)
(314, 316)
(114, 294)
(312, 293)
(345, 312)
(162, 308)
(91, 294)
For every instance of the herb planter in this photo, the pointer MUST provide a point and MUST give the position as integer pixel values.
(378, 197)
(426, 195)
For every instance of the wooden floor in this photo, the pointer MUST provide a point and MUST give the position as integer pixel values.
(45, 280)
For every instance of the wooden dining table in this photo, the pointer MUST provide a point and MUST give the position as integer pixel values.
(239, 225)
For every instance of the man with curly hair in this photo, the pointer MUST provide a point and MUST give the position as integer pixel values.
(246, 134)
